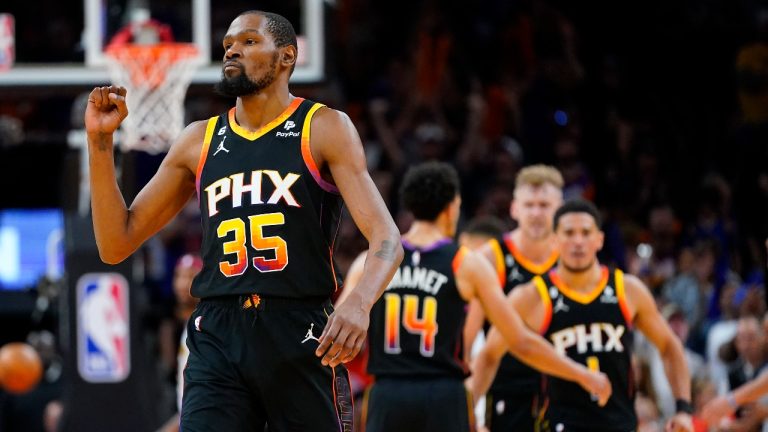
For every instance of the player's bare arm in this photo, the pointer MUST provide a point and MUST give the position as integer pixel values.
(338, 152)
(528, 346)
(475, 314)
(648, 320)
(486, 363)
(121, 229)
(725, 405)
(354, 274)
(472, 326)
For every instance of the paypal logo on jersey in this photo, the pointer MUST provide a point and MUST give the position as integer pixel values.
(288, 126)
(103, 328)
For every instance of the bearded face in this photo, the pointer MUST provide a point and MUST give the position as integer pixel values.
(236, 82)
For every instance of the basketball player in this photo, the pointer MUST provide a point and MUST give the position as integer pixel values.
(512, 402)
(589, 314)
(415, 338)
(479, 231)
(270, 176)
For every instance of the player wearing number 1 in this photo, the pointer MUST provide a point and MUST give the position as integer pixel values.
(588, 313)
(270, 176)
(416, 332)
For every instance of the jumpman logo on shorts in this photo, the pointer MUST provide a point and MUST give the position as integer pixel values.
(221, 147)
(309, 334)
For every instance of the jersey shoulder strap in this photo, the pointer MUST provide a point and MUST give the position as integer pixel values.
(546, 302)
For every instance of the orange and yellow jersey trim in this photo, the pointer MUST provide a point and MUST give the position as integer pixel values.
(209, 129)
(258, 133)
(306, 152)
(541, 288)
(526, 262)
(583, 298)
(459, 259)
(498, 261)
(621, 294)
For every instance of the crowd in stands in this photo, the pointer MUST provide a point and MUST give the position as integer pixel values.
(656, 112)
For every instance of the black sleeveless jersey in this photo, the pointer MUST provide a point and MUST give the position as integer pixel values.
(417, 325)
(513, 269)
(593, 329)
(269, 219)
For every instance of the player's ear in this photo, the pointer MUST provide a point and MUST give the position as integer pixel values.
(288, 55)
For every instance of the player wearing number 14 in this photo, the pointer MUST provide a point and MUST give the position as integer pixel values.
(416, 333)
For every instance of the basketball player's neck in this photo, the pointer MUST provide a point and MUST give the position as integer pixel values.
(256, 110)
(424, 233)
(580, 280)
(538, 250)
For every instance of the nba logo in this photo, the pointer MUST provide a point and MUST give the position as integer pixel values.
(103, 330)
(7, 42)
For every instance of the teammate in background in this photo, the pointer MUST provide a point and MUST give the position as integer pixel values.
(416, 333)
(512, 402)
(589, 314)
(479, 231)
(475, 235)
(187, 267)
(270, 207)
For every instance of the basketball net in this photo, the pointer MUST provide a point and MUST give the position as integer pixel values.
(157, 77)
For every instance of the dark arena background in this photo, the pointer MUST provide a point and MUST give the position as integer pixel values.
(656, 111)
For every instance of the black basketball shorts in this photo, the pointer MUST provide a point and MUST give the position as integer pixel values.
(252, 363)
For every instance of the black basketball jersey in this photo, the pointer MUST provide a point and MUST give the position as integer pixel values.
(417, 324)
(269, 219)
(593, 329)
(513, 269)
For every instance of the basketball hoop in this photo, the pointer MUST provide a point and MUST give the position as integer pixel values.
(157, 77)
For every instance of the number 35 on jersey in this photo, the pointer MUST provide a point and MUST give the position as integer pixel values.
(251, 232)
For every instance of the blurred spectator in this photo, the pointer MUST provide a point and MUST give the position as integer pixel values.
(173, 340)
(578, 182)
(691, 290)
(52, 416)
(654, 259)
(648, 419)
(703, 390)
(713, 225)
(752, 75)
(665, 400)
(723, 332)
(750, 351)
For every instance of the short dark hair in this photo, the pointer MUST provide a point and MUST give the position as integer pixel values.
(577, 206)
(280, 28)
(489, 226)
(428, 188)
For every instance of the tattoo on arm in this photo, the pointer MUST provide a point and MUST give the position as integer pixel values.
(102, 142)
(387, 250)
(103, 145)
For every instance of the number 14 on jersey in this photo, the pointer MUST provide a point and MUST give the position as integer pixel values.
(426, 326)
